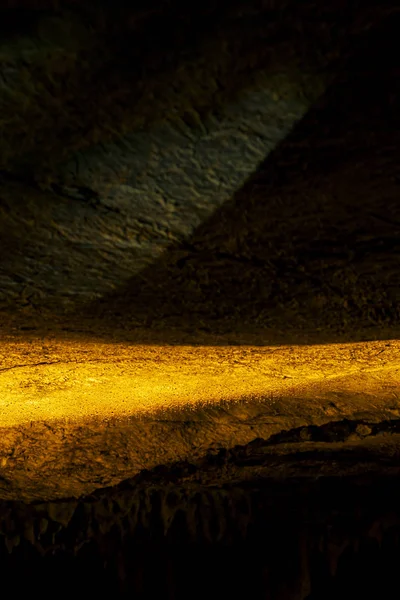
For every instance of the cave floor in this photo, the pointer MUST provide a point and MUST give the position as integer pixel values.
(151, 404)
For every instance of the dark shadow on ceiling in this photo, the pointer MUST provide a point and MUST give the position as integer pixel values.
(310, 244)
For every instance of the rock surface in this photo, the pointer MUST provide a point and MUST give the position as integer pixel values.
(199, 209)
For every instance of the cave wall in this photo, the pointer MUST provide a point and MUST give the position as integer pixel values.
(130, 137)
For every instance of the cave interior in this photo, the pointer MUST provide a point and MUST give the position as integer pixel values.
(200, 299)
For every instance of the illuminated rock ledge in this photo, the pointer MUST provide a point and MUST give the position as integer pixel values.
(149, 405)
(195, 492)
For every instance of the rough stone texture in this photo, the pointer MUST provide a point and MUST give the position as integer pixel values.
(75, 416)
(115, 206)
(311, 241)
(134, 145)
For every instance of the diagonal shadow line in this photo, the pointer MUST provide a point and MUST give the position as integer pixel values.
(143, 51)
(309, 245)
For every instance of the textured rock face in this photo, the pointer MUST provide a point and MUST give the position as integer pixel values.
(129, 137)
(76, 417)
(137, 146)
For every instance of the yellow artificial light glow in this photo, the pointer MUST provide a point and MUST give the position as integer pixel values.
(82, 380)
